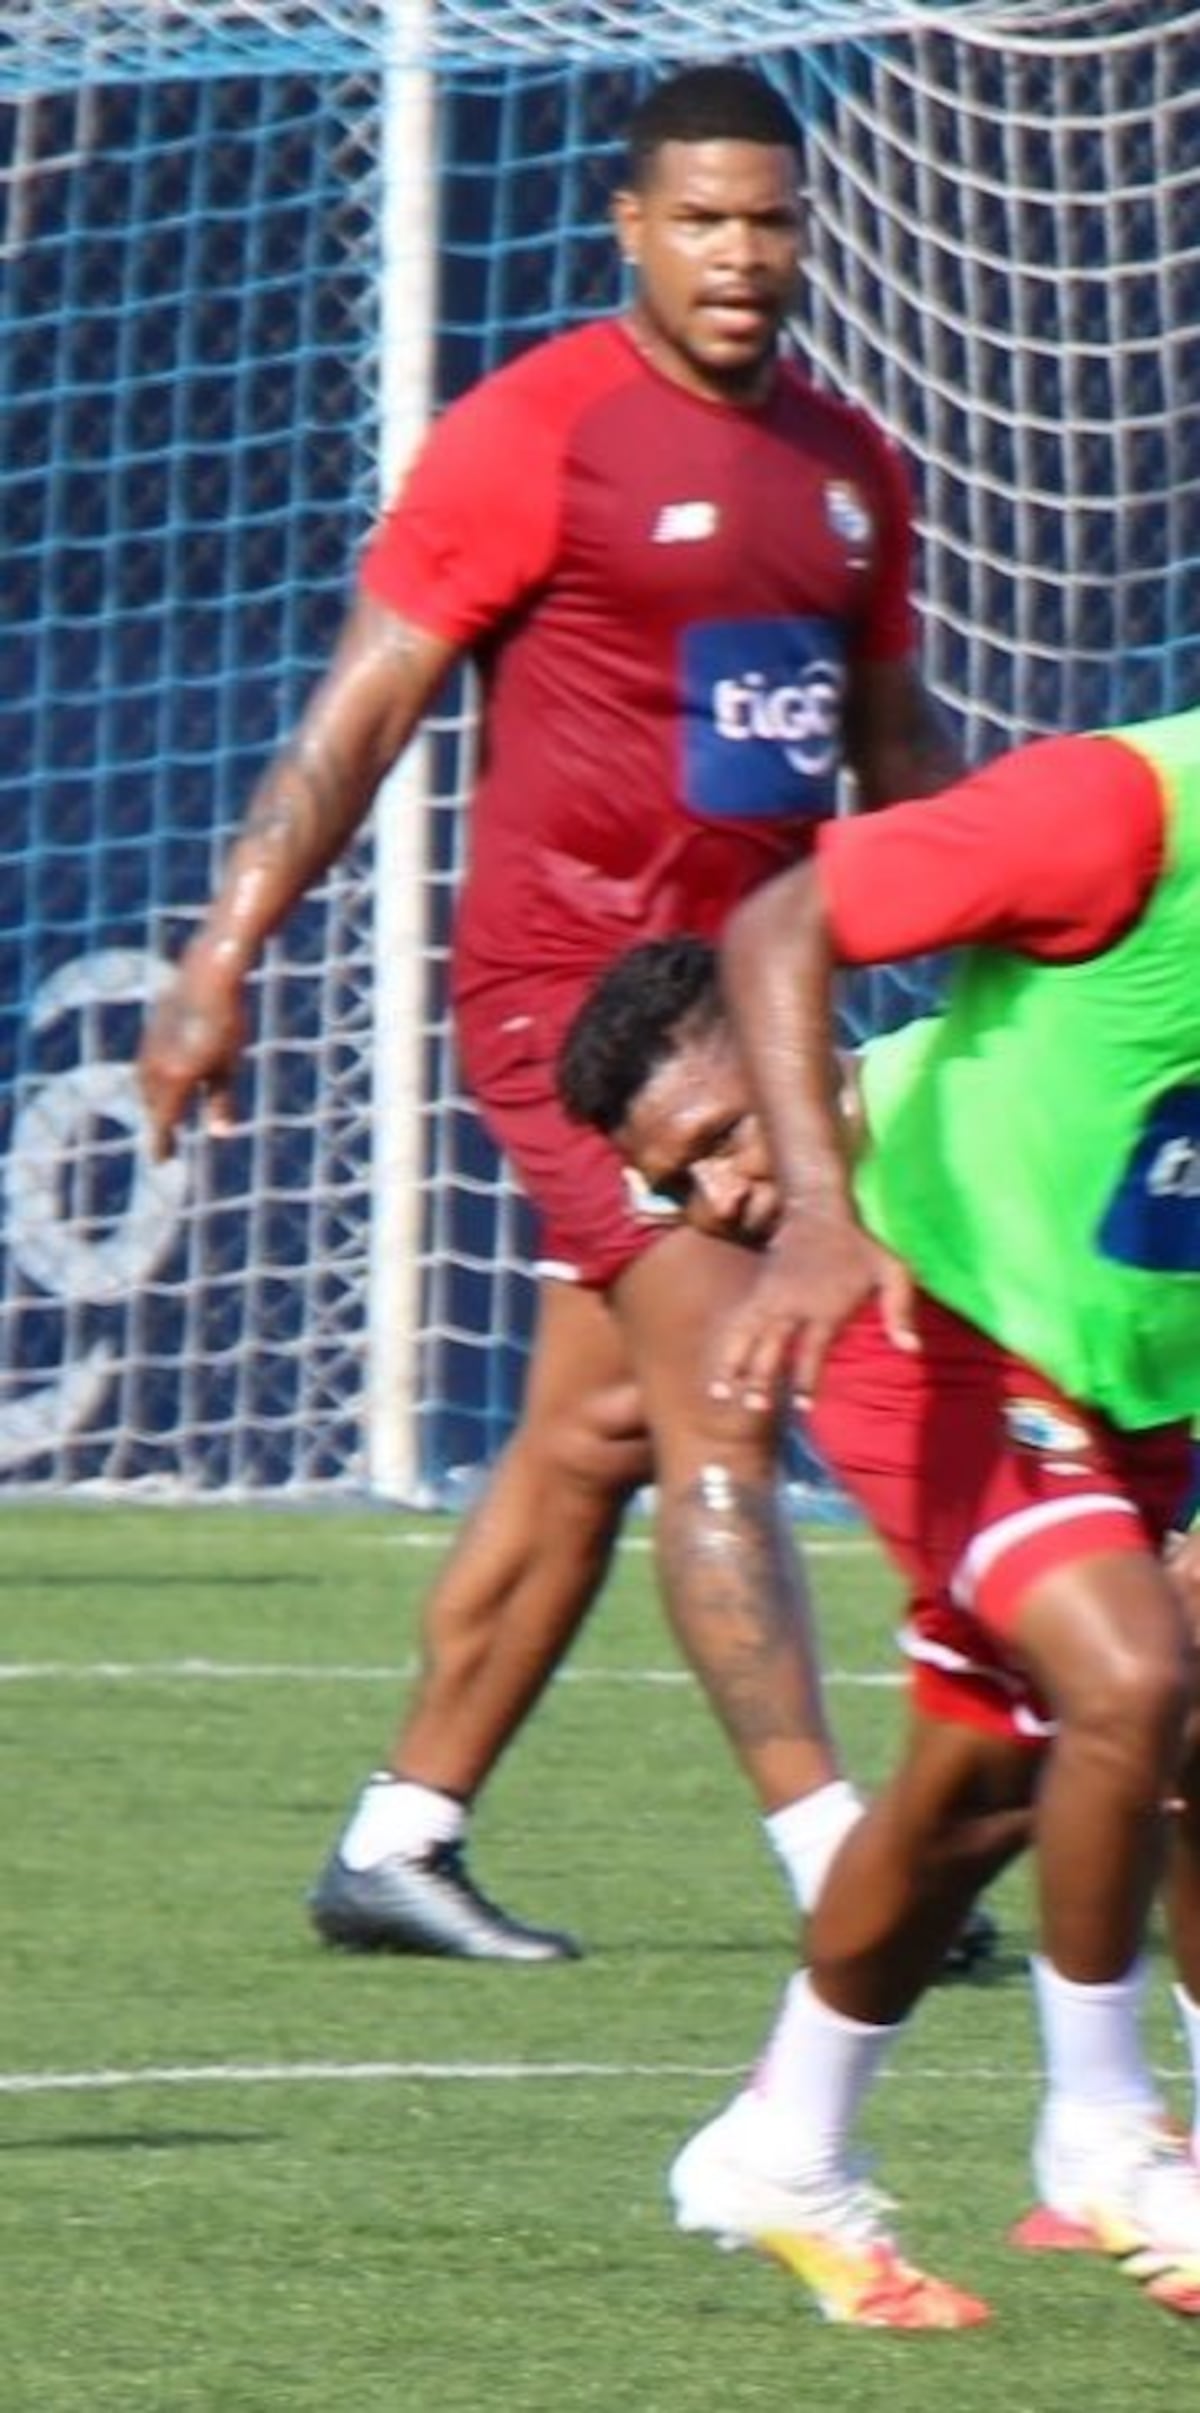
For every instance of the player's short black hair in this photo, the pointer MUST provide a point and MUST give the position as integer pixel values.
(632, 1021)
(708, 104)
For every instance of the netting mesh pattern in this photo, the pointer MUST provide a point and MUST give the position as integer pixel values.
(44, 43)
(189, 455)
(1003, 263)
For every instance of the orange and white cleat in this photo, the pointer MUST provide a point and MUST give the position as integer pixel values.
(869, 2283)
(1128, 2189)
(832, 2234)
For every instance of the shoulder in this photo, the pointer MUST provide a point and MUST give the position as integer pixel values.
(553, 381)
(847, 427)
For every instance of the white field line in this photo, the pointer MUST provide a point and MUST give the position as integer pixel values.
(464, 2073)
(342, 2073)
(831, 1543)
(393, 2073)
(249, 1671)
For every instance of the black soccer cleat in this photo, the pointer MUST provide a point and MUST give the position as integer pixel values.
(426, 1906)
(977, 1941)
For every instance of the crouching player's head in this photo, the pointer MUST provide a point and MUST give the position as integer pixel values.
(651, 1062)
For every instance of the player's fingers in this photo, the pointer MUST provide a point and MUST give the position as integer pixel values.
(161, 1113)
(730, 1360)
(160, 1139)
(752, 1360)
(807, 1362)
(219, 1113)
(897, 1305)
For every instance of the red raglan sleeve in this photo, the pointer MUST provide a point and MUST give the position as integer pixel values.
(888, 630)
(473, 528)
(1051, 851)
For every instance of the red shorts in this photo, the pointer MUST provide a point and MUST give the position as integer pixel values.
(590, 1227)
(980, 1477)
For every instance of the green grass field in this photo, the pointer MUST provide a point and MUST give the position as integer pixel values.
(243, 2173)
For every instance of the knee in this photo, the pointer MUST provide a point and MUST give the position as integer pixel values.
(1131, 1705)
(599, 1445)
(700, 1434)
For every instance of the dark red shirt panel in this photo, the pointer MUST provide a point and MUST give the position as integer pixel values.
(665, 597)
(1050, 851)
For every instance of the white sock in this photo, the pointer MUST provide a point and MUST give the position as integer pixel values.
(1189, 2020)
(803, 2101)
(392, 1815)
(1092, 2048)
(805, 1834)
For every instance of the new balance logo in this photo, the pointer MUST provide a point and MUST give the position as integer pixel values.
(685, 523)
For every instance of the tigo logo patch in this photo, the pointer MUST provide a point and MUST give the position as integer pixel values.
(763, 703)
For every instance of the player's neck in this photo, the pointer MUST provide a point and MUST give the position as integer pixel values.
(743, 390)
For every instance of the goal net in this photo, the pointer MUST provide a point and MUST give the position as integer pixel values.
(247, 246)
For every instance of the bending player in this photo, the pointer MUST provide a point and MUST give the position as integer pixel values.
(1017, 1428)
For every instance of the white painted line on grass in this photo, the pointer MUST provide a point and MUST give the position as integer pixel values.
(343, 2073)
(469, 2073)
(387, 2073)
(249, 1671)
(824, 1542)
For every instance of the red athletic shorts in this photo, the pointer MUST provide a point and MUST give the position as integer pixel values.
(590, 1224)
(980, 1477)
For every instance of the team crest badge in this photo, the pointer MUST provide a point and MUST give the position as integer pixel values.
(1035, 1424)
(848, 515)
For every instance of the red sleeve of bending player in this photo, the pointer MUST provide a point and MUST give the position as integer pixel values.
(474, 526)
(1051, 851)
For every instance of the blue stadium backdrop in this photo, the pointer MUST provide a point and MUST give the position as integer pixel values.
(192, 404)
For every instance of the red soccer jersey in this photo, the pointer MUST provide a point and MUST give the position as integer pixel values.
(664, 596)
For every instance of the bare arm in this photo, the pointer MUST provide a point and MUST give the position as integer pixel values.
(778, 965)
(897, 741)
(301, 816)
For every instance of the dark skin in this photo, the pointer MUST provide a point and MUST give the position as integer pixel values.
(714, 239)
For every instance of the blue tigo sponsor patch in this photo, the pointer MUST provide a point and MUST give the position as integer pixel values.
(762, 705)
(1153, 1219)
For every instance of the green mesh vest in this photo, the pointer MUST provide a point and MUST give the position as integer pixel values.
(1036, 1148)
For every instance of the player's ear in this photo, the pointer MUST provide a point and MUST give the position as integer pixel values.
(625, 213)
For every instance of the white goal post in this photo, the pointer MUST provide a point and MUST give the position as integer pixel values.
(246, 248)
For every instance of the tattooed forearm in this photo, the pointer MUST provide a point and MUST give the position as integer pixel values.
(296, 825)
(737, 1598)
(307, 805)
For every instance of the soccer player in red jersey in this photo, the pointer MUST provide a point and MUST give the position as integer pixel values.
(682, 574)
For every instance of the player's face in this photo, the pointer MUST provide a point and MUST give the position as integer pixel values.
(714, 240)
(693, 1138)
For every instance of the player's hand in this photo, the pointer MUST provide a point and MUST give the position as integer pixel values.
(191, 1048)
(818, 1270)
